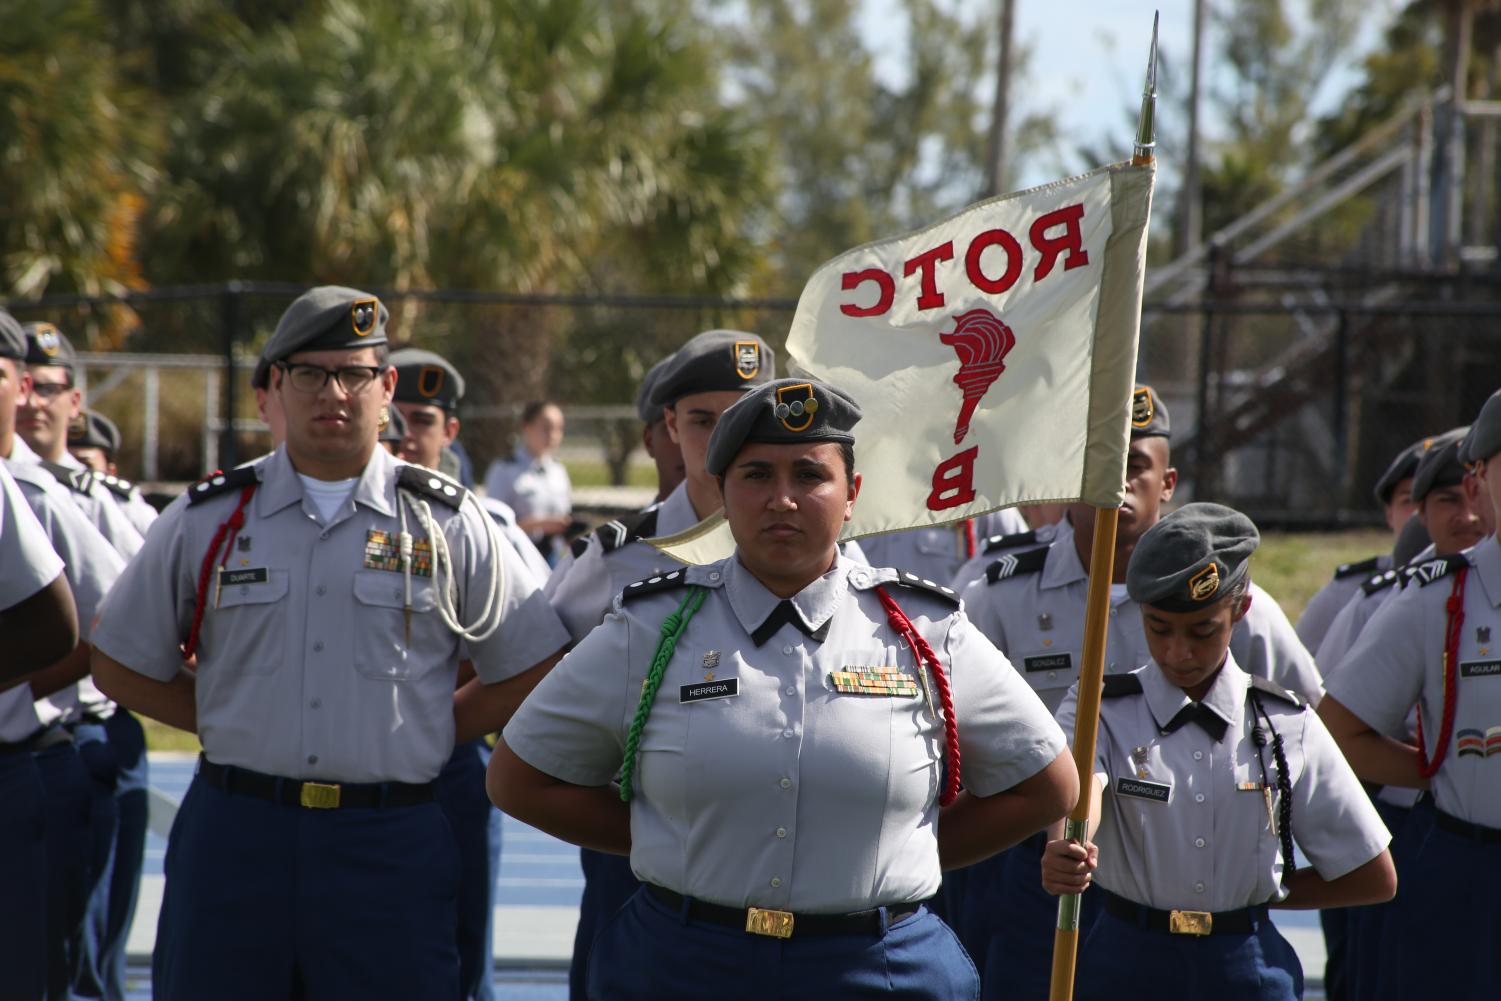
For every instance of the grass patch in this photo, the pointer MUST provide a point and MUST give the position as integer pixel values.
(588, 473)
(161, 737)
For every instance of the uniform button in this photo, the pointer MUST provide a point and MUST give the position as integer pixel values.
(312, 759)
(244, 590)
(791, 689)
(316, 704)
(1198, 755)
(787, 650)
(788, 734)
(321, 590)
(1112, 665)
(781, 832)
(776, 881)
(1052, 675)
(323, 536)
(1198, 797)
(786, 783)
(1198, 887)
(1198, 842)
(1112, 612)
(714, 575)
(318, 646)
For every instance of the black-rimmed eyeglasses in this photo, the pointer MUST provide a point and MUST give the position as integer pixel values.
(353, 379)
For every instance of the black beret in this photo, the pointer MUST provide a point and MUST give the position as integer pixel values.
(1440, 465)
(261, 377)
(648, 413)
(1486, 439)
(1148, 414)
(326, 318)
(46, 345)
(395, 429)
(712, 361)
(425, 377)
(1402, 467)
(785, 412)
(94, 430)
(12, 337)
(1191, 558)
(1413, 539)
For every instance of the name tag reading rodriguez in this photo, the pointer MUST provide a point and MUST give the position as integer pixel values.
(255, 575)
(1138, 789)
(1479, 668)
(703, 691)
(891, 682)
(1048, 662)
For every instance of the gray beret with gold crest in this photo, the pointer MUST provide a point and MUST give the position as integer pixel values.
(328, 318)
(711, 362)
(785, 412)
(1192, 558)
(1148, 414)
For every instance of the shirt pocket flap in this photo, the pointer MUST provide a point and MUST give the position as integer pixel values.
(386, 589)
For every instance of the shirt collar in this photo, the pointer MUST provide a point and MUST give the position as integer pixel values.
(1485, 557)
(675, 513)
(1063, 565)
(752, 602)
(21, 453)
(71, 461)
(1225, 697)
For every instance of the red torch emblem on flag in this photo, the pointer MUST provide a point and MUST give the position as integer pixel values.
(981, 341)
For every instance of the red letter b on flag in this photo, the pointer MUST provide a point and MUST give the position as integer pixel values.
(954, 481)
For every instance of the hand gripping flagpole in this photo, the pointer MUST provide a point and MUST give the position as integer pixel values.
(1096, 620)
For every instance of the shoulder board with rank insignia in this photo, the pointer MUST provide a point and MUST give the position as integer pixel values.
(996, 543)
(77, 480)
(1377, 583)
(578, 545)
(1118, 686)
(616, 534)
(1276, 691)
(655, 585)
(907, 578)
(120, 488)
(1016, 564)
(221, 482)
(1428, 571)
(431, 483)
(1369, 566)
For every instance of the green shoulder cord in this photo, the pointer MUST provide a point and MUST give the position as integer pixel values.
(672, 631)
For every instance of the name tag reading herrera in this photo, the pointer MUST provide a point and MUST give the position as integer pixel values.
(1138, 789)
(1479, 668)
(255, 575)
(703, 691)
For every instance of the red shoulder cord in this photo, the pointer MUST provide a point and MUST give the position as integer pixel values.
(230, 528)
(925, 655)
(1456, 607)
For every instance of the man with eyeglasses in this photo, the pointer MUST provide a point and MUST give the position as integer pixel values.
(328, 591)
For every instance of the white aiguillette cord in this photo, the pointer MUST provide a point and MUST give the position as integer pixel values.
(443, 573)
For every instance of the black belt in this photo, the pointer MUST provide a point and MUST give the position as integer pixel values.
(784, 924)
(1464, 829)
(1241, 922)
(312, 794)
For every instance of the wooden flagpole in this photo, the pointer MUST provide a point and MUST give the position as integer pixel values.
(1096, 622)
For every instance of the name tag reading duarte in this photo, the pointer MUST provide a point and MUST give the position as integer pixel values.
(1138, 789)
(255, 575)
(705, 690)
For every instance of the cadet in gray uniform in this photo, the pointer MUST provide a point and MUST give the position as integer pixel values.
(666, 454)
(1432, 644)
(1393, 493)
(38, 623)
(937, 552)
(43, 417)
(326, 591)
(94, 441)
(995, 546)
(789, 741)
(1205, 779)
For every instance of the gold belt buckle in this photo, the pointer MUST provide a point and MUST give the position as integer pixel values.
(1190, 922)
(764, 921)
(320, 796)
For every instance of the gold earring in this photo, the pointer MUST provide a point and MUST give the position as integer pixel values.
(382, 421)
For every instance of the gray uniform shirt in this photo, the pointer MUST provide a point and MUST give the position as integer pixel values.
(1398, 661)
(304, 669)
(937, 552)
(505, 522)
(787, 793)
(534, 488)
(1037, 619)
(1320, 612)
(91, 496)
(975, 567)
(1185, 821)
(28, 558)
(126, 496)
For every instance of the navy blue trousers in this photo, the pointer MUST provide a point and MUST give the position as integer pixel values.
(70, 799)
(1444, 932)
(460, 791)
(1122, 962)
(269, 901)
(1017, 964)
(111, 908)
(1366, 962)
(650, 952)
(608, 884)
(23, 878)
(98, 757)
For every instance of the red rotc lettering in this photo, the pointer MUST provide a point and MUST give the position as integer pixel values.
(954, 481)
(1052, 235)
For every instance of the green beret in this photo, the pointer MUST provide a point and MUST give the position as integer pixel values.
(46, 345)
(12, 337)
(785, 412)
(396, 428)
(1148, 414)
(1440, 465)
(1191, 558)
(712, 361)
(650, 414)
(94, 431)
(328, 318)
(1402, 468)
(1486, 439)
(425, 377)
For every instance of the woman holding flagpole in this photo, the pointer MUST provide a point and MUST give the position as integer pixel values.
(1205, 777)
(789, 731)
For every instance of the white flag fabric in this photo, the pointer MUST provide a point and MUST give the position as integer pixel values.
(993, 354)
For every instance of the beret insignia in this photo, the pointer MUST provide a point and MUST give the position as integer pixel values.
(47, 339)
(796, 413)
(1203, 585)
(1141, 407)
(430, 381)
(747, 359)
(362, 316)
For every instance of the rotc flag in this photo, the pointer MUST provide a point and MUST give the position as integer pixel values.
(994, 355)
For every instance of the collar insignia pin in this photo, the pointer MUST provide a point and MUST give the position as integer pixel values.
(243, 543)
(711, 660)
(1482, 634)
(1044, 621)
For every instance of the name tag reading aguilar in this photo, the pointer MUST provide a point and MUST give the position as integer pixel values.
(1480, 668)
